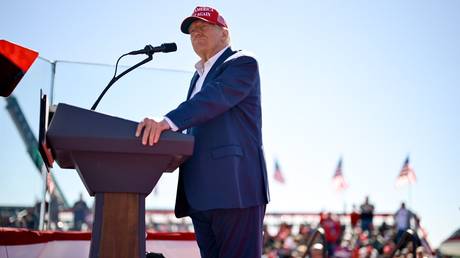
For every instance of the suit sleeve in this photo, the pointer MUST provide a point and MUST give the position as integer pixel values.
(230, 87)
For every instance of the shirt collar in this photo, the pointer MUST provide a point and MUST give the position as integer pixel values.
(202, 67)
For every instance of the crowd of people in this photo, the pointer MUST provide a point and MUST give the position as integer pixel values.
(353, 235)
(29, 217)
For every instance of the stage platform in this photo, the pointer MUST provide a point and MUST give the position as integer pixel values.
(16, 243)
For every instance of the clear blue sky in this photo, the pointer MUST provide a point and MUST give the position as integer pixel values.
(370, 81)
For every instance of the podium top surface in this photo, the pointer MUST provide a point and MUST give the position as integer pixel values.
(78, 129)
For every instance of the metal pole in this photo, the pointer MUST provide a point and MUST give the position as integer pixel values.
(44, 169)
(41, 223)
(53, 76)
(409, 206)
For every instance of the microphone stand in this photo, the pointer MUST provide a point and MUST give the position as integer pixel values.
(115, 78)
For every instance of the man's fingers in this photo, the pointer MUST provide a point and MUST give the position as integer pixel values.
(145, 136)
(161, 126)
(152, 133)
(157, 135)
(140, 126)
(152, 130)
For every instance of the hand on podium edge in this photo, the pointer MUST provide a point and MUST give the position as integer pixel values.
(152, 130)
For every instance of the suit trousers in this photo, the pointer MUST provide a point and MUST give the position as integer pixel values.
(229, 233)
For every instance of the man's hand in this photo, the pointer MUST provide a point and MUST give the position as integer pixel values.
(152, 130)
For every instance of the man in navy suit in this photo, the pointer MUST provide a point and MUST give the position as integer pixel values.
(223, 187)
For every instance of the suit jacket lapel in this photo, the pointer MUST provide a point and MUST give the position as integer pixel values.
(192, 84)
(218, 62)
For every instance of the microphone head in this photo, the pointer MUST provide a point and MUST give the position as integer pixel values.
(168, 47)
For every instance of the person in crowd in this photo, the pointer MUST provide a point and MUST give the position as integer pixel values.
(80, 211)
(402, 218)
(367, 215)
(317, 250)
(332, 232)
(54, 213)
(354, 217)
(30, 219)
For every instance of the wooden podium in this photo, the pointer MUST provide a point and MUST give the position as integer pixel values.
(115, 168)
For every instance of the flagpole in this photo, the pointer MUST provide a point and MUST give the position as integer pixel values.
(407, 175)
(342, 194)
(340, 184)
(409, 195)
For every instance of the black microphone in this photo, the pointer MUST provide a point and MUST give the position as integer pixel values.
(149, 50)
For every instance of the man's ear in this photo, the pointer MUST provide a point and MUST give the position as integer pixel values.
(225, 34)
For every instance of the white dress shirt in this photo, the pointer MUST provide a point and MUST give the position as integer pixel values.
(202, 68)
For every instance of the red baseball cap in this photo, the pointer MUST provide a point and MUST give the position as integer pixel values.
(206, 14)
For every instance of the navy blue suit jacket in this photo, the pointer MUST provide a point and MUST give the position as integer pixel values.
(227, 169)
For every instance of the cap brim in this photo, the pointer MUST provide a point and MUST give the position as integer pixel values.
(188, 21)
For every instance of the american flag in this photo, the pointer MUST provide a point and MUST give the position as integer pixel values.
(278, 175)
(407, 174)
(338, 180)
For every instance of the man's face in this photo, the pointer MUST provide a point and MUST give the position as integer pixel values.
(207, 39)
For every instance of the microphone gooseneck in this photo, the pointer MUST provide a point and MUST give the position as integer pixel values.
(149, 50)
